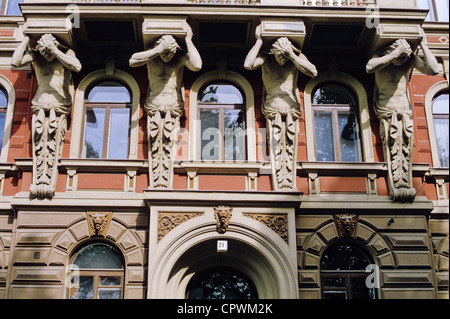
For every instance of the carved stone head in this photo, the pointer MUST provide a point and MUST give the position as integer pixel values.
(222, 215)
(346, 225)
(44, 44)
(280, 48)
(98, 223)
(170, 46)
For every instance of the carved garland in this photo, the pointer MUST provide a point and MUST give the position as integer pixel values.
(277, 222)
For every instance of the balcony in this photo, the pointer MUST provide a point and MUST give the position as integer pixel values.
(307, 3)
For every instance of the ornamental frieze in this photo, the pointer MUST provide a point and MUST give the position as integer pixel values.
(277, 222)
(168, 221)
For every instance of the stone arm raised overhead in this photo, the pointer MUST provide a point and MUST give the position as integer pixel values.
(254, 59)
(194, 60)
(430, 65)
(21, 55)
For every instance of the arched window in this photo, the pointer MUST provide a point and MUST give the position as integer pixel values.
(107, 115)
(343, 272)
(336, 128)
(221, 283)
(441, 126)
(101, 273)
(3, 109)
(222, 110)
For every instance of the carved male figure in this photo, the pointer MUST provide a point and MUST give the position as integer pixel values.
(392, 67)
(53, 64)
(281, 105)
(164, 105)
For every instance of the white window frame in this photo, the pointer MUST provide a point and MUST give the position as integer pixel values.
(194, 121)
(432, 93)
(363, 106)
(78, 106)
(11, 95)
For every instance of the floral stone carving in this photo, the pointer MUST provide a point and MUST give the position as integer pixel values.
(277, 222)
(168, 221)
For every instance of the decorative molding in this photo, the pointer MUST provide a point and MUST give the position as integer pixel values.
(346, 225)
(168, 221)
(98, 223)
(277, 222)
(222, 214)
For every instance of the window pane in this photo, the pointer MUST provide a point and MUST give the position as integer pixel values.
(220, 283)
(221, 93)
(234, 135)
(427, 4)
(442, 10)
(3, 99)
(210, 134)
(85, 289)
(98, 256)
(108, 293)
(441, 127)
(334, 282)
(2, 127)
(324, 136)
(335, 294)
(349, 139)
(441, 104)
(109, 91)
(334, 94)
(359, 289)
(119, 133)
(93, 135)
(110, 281)
(12, 7)
(343, 256)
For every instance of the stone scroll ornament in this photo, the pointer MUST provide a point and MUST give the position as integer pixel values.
(392, 67)
(281, 105)
(165, 104)
(53, 64)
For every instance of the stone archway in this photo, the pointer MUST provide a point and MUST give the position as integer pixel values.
(253, 249)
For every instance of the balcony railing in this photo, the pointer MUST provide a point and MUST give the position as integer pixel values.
(226, 1)
(338, 3)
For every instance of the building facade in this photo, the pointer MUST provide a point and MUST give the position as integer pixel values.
(239, 149)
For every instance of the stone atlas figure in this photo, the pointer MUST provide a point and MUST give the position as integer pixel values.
(53, 64)
(281, 105)
(165, 104)
(392, 67)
